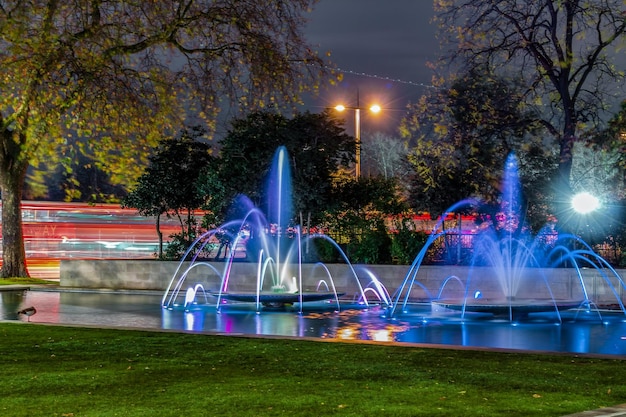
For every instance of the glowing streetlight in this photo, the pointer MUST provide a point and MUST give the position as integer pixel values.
(357, 128)
(585, 203)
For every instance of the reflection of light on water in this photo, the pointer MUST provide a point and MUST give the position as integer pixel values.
(347, 333)
(381, 335)
(47, 304)
(278, 324)
(194, 320)
(354, 331)
(358, 324)
(144, 311)
(189, 321)
(388, 334)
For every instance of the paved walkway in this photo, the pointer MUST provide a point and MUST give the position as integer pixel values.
(616, 411)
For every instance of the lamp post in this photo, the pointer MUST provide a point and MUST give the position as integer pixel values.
(357, 128)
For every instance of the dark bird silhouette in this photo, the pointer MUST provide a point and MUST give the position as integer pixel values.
(29, 311)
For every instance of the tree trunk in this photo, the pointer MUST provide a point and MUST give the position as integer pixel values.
(566, 147)
(12, 174)
(564, 192)
(160, 235)
(565, 161)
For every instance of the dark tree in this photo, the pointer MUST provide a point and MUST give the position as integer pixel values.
(561, 49)
(461, 136)
(169, 183)
(76, 178)
(317, 147)
(359, 215)
(613, 139)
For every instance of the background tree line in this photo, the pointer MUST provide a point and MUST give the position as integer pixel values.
(183, 176)
(369, 216)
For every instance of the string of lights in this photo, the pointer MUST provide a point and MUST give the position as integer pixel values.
(379, 77)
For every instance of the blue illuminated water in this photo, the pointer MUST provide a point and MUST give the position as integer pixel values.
(275, 245)
(579, 333)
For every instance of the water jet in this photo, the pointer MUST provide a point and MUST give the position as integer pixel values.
(275, 246)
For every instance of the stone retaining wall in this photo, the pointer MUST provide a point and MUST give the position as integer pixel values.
(430, 280)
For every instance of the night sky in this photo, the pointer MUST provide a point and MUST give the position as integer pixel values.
(385, 40)
(383, 48)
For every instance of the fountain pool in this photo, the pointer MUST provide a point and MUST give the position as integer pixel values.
(579, 332)
(275, 246)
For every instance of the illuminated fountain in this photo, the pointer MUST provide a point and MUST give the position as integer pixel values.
(515, 294)
(275, 275)
(513, 274)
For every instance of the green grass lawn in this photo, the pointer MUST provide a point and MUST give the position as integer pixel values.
(26, 281)
(68, 371)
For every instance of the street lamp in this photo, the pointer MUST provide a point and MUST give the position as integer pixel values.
(357, 127)
(585, 203)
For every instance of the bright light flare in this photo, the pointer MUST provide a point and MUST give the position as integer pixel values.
(585, 203)
(375, 108)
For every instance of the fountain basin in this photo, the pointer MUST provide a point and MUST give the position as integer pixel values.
(273, 299)
(517, 309)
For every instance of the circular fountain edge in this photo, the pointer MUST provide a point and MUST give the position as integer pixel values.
(517, 308)
(280, 298)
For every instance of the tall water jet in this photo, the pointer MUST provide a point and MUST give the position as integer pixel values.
(278, 196)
